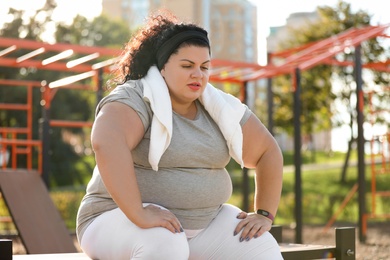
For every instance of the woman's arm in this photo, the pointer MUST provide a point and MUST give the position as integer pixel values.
(260, 151)
(116, 132)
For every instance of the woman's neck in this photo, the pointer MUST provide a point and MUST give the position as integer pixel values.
(188, 111)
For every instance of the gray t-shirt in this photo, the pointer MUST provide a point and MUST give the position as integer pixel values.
(191, 181)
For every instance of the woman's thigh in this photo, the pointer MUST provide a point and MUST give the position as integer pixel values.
(113, 236)
(218, 242)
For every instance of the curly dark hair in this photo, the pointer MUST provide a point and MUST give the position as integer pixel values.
(140, 52)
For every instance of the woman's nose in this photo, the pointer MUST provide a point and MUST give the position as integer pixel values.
(197, 73)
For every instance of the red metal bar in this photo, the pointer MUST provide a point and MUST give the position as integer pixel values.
(235, 64)
(75, 124)
(29, 123)
(17, 130)
(15, 82)
(342, 206)
(20, 142)
(9, 134)
(59, 47)
(6, 106)
(16, 150)
(349, 42)
(61, 66)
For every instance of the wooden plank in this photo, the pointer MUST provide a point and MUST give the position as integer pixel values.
(302, 251)
(38, 221)
(345, 248)
(345, 243)
(5, 249)
(72, 256)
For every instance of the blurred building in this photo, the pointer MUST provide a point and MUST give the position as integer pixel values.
(295, 21)
(232, 24)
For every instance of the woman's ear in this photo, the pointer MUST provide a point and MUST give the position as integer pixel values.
(162, 72)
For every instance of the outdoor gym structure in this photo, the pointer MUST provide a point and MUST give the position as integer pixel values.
(94, 62)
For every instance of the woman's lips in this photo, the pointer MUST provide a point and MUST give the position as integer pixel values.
(194, 86)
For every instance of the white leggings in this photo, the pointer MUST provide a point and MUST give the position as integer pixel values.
(111, 236)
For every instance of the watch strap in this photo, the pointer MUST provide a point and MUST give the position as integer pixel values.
(265, 214)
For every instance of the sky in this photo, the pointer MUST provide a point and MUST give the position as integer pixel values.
(269, 12)
(272, 13)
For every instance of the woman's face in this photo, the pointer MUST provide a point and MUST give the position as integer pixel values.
(187, 73)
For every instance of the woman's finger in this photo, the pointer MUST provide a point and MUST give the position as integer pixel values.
(254, 232)
(165, 218)
(240, 226)
(252, 226)
(174, 224)
(242, 215)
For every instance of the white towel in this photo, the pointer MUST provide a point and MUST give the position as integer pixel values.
(225, 109)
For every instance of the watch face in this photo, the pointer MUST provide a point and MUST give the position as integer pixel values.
(262, 212)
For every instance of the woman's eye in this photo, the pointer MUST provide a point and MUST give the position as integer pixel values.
(205, 68)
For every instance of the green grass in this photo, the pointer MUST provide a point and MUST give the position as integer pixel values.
(318, 157)
(322, 195)
(67, 202)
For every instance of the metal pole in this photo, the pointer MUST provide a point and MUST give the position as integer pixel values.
(245, 177)
(99, 92)
(245, 190)
(270, 102)
(360, 142)
(297, 156)
(45, 134)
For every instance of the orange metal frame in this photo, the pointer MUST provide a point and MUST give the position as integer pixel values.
(303, 57)
(382, 156)
(381, 143)
(9, 135)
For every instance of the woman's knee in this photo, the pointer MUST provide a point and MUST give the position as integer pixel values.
(113, 236)
(164, 246)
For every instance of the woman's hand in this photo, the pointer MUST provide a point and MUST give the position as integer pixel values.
(160, 217)
(252, 225)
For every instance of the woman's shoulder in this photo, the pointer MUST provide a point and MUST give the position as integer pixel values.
(128, 88)
(129, 93)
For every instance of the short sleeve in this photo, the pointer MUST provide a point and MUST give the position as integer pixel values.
(246, 115)
(130, 94)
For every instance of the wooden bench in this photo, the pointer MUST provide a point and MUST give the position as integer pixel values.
(65, 256)
(344, 249)
(39, 224)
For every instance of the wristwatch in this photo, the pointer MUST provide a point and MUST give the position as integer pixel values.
(265, 214)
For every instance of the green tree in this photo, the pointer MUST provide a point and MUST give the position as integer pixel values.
(318, 95)
(101, 31)
(75, 104)
(30, 28)
(67, 104)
